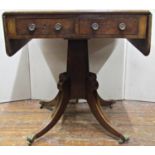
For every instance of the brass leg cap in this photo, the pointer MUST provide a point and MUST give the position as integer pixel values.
(110, 106)
(123, 140)
(112, 102)
(30, 140)
(41, 104)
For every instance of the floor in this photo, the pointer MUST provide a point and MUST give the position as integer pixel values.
(77, 126)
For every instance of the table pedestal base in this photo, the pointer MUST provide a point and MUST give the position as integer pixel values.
(78, 83)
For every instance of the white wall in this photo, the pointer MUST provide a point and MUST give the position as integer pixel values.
(107, 61)
(48, 59)
(140, 72)
(123, 72)
(14, 73)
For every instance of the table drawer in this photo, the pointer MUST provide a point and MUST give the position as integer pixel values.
(110, 25)
(43, 26)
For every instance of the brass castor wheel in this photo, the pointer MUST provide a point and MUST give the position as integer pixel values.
(30, 140)
(123, 140)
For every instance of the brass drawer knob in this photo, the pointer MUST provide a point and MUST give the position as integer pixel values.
(95, 26)
(32, 27)
(122, 26)
(58, 26)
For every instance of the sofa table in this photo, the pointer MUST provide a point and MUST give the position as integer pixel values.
(77, 27)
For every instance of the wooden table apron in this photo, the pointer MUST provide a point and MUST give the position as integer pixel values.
(77, 27)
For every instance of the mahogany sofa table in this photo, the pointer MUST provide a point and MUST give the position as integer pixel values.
(77, 27)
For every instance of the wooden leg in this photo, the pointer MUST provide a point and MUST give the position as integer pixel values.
(96, 109)
(50, 104)
(77, 100)
(77, 83)
(57, 113)
(106, 103)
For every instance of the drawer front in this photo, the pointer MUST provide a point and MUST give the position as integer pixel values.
(41, 26)
(109, 25)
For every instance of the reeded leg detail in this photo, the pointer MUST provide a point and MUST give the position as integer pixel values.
(58, 111)
(96, 109)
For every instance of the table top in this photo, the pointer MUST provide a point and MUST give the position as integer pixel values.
(22, 26)
(78, 11)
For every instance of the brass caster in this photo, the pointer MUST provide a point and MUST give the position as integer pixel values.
(30, 140)
(123, 140)
(107, 103)
(110, 106)
(42, 106)
(46, 105)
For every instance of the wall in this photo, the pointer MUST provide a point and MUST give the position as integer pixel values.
(48, 59)
(14, 73)
(140, 72)
(123, 72)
